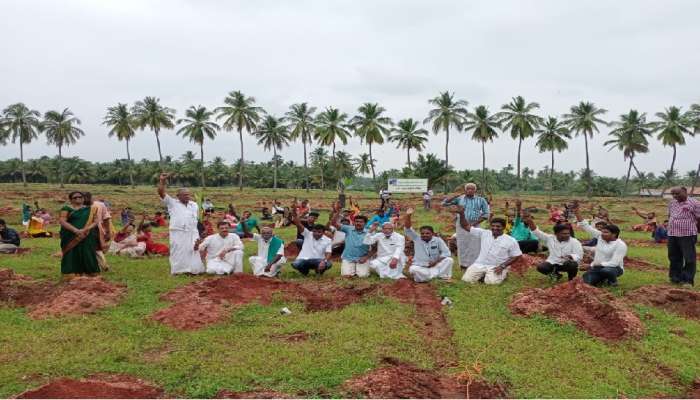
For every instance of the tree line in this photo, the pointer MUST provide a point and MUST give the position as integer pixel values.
(630, 134)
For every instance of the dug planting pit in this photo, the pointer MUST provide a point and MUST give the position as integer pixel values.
(591, 309)
(81, 295)
(683, 302)
(101, 386)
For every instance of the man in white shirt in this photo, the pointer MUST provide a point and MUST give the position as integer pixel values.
(496, 252)
(316, 251)
(223, 251)
(565, 252)
(270, 256)
(427, 199)
(610, 252)
(390, 258)
(431, 256)
(184, 259)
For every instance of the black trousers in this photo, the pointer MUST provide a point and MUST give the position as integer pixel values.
(597, 275)
(570, 267)
(682, 258)
(304, 266)
(529, 246)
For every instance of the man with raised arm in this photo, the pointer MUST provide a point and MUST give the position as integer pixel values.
(565, 252)
(390, 258)
(223, 251)
(184, 259)
(316, 251)
(355, 256)
(475, 211)
(497, 251)
(610, 252)
(431, 256)
(270, 256)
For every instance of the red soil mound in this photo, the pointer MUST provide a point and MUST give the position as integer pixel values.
(257, 394)
(679, 301)
(594, 310)
(526, 262)
(95, 387)
(291, 250)
(401, 380)
(82, 295)
(636, 263)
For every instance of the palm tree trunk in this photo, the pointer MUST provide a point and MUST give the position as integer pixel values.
(131, 169)
(483, 166)
(306, 166)
(695, 180)
(588, 167)
(333, 151)
(160, 154)
(21, 162)
(274, 160)
(670, 174)
(408, 157)
(627, 179)
(201, 153)
(520, 144)
(447, 152)
(371, 162)
(60, 167)
(240, 167)
(551, 177)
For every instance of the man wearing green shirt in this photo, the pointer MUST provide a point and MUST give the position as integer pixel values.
(250, 223)
(527, 240)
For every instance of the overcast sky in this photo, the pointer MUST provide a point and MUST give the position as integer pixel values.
(88, 55)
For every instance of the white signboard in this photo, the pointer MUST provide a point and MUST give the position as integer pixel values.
(408, 185)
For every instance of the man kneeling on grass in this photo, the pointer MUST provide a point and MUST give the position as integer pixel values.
(390, 258)
(610, 253)
(222, 252)
(355, 257)
(431, 256)
(565, 252)
(270, 256)
(497, 251)
(316, 251)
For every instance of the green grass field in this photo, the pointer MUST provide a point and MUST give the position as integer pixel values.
(534, 357)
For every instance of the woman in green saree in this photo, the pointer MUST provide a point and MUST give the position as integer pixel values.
(78, 237)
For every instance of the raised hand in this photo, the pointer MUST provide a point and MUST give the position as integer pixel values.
(410, 211)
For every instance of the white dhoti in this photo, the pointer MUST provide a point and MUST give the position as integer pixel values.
(442, 270)
(468, 247)
(183, 257)
(352, 268)
(232, 262)
(258, 265)
(477, 271)
(381, 267)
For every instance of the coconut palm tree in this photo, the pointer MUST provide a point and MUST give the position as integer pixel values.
(149, 113)
(273, 134)
(238, 112)
(630, 137)
(695, 117)
(448, 113)
(371, 127)
(483, 127)
(319, 159)
(517, 117)
(552, 136)
(672, 128)
(302, 126)
(21, 124)
(408, 136)
(583, 119)
(363, 164)
(61, 129)
(197, 125)
(331, 126)
(122, 125)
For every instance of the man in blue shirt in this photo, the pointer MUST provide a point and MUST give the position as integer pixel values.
(380, 218)
(431, 256)
(476, 210)
(354, 260)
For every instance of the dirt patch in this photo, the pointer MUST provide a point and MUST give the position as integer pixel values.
(636, 263)
(397, 379)
(678, 301)
(81, 295)
(294, 337)
(100, 386)
(592, 309)
(694, 391)
(525, 262)
(291, 250)
(256, 394)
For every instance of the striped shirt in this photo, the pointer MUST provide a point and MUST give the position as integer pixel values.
(683, 217)
(474, 207)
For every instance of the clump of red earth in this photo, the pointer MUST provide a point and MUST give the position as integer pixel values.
(81, 295)
(525, 262)
(396, 379)
(679, 301)
(636, 263)
(100, 386)
(591, 309)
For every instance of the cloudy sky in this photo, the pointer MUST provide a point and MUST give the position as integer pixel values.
(88, 55)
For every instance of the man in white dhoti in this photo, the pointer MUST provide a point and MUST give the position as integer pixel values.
(184, 259)
(475, 210)
(390, 258)
(223, 251)
(497, 251)
(270, 256)
(431, 256)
